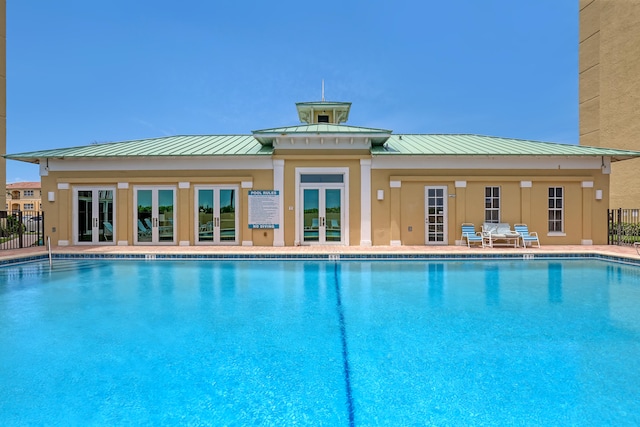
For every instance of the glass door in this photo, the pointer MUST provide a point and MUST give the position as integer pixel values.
(322, 215)
(216, 219)
(435, 215)
(154, 215)
(93, 215)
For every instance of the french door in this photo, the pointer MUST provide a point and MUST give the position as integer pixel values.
(435, 215)
(322, 214)
(93, 215)
(216, 219)
(154, 215)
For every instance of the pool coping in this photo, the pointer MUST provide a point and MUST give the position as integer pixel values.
(626, 255)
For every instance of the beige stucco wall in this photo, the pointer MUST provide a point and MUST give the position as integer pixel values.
(59, 220)
(609, 78)
(398, 217)
(401, 215)
(329, 160)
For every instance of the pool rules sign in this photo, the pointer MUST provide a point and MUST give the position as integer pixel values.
(264, 209)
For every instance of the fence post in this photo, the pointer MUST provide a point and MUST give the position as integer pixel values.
(619, 230)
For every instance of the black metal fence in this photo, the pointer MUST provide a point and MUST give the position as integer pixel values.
(624, 226)
(21, 229)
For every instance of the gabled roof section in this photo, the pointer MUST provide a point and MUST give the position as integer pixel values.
(171, 146)
(267, 136)
(478, 145)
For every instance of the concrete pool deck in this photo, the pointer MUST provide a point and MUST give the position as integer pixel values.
(606, 250)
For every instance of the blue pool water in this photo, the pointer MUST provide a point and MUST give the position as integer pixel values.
(320, 343)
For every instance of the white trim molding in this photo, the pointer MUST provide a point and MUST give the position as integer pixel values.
(586, 242)
(184, 243)
(396, 243)
(526, 184)
(395, 184)
(63, 243)
(247, 243)
(587, 184)
(123, 243)
(63, 186)
(246, 184)
(184, 185)
(123, 186)
(461, 184)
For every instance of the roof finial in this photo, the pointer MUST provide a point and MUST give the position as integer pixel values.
(322, 90)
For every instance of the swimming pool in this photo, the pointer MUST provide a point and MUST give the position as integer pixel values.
(320, 342)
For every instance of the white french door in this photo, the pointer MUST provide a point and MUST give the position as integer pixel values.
(435, 199)
(322, 214)
(154, 216)
(216, 219)
(93, 221)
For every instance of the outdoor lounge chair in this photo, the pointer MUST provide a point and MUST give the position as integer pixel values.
(470, 234)
(527, 236)
(107, 232)
(142, 230)
(499, 233)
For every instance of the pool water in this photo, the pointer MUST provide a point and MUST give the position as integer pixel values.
(320, 343)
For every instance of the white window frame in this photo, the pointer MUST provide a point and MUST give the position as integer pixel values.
(553, 209)
(28, 193)
(490, 205)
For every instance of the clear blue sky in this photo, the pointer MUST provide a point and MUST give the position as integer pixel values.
(81, 71)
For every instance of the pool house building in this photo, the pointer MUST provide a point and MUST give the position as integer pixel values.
(321, 182)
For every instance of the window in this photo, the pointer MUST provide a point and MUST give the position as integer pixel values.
(28, 193)
(28, 206)
(492, 204)
(323, 118)
(556, 205)
(321, 178)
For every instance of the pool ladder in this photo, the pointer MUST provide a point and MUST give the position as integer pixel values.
(49, 248)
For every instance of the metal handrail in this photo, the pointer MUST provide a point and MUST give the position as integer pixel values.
(49, 246)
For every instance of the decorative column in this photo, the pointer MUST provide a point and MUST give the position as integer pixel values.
(587, 200)
(123, 218)
(183, 229)
(394, 225)
(278, 185)
(461, 206)
(525, 201)
(365, 202)
(63, 204)
(247, 232)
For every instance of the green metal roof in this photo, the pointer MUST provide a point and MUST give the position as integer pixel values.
(248, 145)
(171, 146)
(320, 128)
(266, 136)
(478, 145)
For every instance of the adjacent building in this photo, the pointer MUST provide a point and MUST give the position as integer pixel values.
(610, 88)
(3, 96)
(23, 196)
(322, 181)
